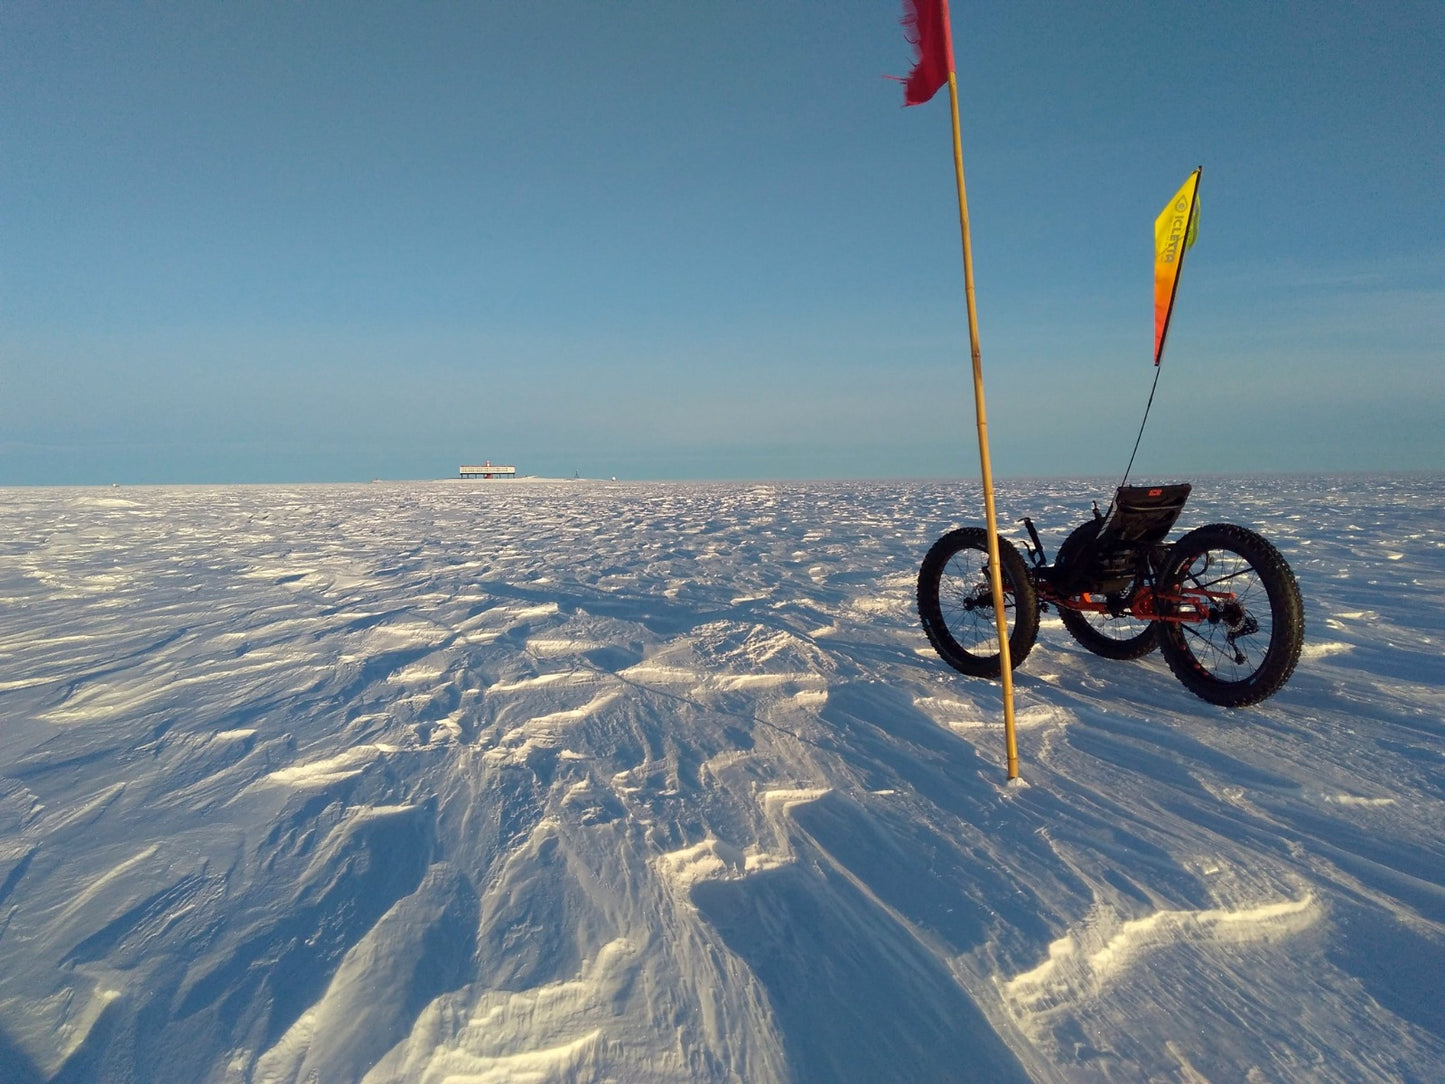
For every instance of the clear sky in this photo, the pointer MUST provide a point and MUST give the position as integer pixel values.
(335, 241)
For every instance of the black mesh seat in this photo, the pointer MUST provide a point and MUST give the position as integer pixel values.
(1143, 515)
(1102, 554)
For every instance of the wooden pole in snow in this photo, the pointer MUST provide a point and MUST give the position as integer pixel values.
(981, 416)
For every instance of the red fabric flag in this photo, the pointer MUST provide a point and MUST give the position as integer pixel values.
(925, 26)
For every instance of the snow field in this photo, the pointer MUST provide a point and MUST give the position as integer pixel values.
(660, 782)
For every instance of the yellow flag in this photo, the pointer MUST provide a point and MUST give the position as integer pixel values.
(1174, 231)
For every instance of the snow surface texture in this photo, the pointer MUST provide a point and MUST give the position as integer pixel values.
(515, 781)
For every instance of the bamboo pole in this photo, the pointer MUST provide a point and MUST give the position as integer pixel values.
(981, 415)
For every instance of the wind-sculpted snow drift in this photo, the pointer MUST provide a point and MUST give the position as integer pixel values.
(532, 781)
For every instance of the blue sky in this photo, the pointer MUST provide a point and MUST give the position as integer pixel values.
(333, 241)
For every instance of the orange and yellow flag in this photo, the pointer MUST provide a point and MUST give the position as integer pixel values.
(1174, 231)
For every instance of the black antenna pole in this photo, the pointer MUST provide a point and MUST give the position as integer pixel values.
(1152, 388)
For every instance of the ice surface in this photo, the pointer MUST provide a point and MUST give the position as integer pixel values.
(443, 781)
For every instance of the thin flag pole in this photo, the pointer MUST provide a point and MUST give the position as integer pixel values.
(926, 26)
(981, 417)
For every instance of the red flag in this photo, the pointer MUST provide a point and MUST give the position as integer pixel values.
(925, 26)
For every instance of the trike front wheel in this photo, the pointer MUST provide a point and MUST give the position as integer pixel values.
(1111, 635)
(955, 603)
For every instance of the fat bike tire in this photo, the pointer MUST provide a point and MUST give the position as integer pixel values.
(1249, 645)
(955, 603)
(1124, 637)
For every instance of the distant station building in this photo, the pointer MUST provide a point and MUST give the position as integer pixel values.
(488, 470)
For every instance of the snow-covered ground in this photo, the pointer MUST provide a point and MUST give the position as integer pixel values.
(634, 782)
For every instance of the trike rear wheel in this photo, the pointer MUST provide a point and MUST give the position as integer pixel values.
(955, 603)
(1248, 638)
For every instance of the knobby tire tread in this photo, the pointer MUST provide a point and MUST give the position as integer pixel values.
(1025, 615)
(1286, 617)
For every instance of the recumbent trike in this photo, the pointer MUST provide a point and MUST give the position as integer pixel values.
(1220, 603)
